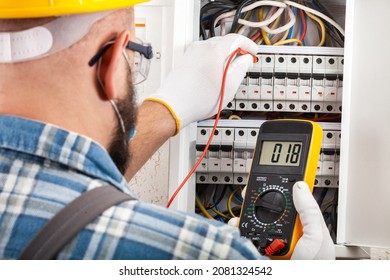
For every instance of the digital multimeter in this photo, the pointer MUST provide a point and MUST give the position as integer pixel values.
(286, 151)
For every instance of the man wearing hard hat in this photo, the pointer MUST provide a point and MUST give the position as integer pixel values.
(67, 116)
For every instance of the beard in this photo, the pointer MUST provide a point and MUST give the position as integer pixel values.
(118, 149)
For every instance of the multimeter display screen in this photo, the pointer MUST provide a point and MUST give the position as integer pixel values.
(280, 153)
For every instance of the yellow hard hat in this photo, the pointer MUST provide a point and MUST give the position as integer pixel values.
(48, 8)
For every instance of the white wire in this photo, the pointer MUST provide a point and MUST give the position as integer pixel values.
(281, 29)
(253, 6)
(317, 13)
(223, 25)
(243, 29)
(264, 23)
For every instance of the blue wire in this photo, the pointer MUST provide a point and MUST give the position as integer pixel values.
(236, 195)
(292, 27)
(216, 205)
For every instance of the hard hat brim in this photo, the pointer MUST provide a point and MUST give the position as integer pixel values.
(43, 8)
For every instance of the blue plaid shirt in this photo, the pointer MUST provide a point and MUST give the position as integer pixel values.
(43, 168)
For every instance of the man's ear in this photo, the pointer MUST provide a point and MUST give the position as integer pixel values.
(110, 62)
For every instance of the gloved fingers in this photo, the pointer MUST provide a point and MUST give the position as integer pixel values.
(242, 42)
(234, 222)
(235, 41)
(303, 198)
(239, 66)
(309, 245)
(236, 73)
(222, 46)
(243, 193)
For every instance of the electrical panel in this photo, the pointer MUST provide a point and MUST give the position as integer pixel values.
(286, 82)
(299, 74)
(344, 97)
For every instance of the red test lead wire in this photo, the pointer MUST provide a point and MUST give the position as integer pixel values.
(222, 94)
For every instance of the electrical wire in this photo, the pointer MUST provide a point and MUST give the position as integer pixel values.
(222, 94)
(256, 36)
(216, 207)
(251, 7)
(274, 24)
(331, 28)
(288, 41)
(237, 13)
(214, 19)
(217, 201)
(322, 27)
(277, 40)
(317, 13)
(202, 209)
(220, 213)
(222, 12)
(234, 117)
(285, 27)
(229, 202)
(264, 24)
(304, 25)
(264, 34)
(291, 30)
(321, 198)
(215, 5)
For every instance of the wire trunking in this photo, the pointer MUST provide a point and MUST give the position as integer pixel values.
(287, 82)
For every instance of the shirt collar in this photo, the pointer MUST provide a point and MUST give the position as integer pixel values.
(68, 148)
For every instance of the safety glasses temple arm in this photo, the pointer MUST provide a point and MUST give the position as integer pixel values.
(146, 51)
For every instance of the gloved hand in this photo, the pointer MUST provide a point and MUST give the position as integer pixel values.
(191, 91)
(315, 243)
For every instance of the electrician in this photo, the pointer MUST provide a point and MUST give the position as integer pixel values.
(67, 114)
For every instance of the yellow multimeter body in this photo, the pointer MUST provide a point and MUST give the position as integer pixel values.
(287, 151)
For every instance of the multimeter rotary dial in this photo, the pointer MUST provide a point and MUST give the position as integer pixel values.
(270, 206)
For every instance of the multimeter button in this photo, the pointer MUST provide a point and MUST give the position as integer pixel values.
(292, 180)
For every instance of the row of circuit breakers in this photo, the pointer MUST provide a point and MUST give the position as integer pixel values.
(229, 157)
(292, 83)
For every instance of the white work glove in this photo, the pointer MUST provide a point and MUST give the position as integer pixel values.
(191, 91)
(315, 243)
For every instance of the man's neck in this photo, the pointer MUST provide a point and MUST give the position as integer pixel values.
(73, 106)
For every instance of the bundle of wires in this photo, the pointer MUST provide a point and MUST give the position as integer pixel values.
(221, 202)
(270, 22)
(328, 208)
